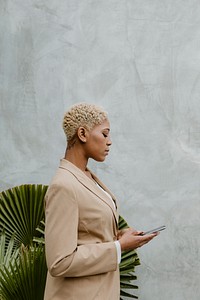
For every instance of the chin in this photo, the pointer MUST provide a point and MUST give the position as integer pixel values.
(100, 159)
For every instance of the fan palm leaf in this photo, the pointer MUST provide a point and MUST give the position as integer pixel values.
(25, 278)
(21, 210)
(8, 251)
(8, 255)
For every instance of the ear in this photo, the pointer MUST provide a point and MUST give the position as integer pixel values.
(82, 134)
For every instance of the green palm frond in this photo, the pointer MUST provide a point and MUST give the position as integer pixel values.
(25, 279)
(23, 268)
(8, 255)
(21, 210)
(40, 228)
(127, 266)
(8, 251)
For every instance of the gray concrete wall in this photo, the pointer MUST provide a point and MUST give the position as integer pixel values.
(141, 61)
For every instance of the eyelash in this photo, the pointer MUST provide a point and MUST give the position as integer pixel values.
(105, 135)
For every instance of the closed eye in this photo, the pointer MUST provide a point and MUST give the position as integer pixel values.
(105, 135)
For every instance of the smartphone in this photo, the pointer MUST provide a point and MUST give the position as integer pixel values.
(155, 230)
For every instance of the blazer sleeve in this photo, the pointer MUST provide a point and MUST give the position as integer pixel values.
(64, 257)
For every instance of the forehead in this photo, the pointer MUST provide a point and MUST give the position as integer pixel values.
(105, 125)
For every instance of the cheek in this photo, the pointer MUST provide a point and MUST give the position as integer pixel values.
(102, 142)
(98, 140)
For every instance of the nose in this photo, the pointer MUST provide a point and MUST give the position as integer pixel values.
(109, 142)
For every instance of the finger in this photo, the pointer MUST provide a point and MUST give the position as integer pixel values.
(140, 232)
(135, 232)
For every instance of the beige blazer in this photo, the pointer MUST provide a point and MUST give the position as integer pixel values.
(81, 227)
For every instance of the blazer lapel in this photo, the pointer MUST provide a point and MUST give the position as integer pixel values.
(91, 185)
(104, 188)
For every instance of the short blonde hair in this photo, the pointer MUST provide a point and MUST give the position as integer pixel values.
(82, 114)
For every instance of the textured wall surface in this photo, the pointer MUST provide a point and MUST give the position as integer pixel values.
(141, 61)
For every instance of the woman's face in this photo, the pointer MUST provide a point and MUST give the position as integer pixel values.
(98, 141)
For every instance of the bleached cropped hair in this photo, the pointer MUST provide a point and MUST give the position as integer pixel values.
(82, 114)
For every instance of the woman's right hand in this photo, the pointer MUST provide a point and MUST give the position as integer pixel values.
(132, 239)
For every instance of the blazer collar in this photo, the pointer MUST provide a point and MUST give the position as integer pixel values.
(90, 184)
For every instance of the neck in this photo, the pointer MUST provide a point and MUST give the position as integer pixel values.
(76, 157)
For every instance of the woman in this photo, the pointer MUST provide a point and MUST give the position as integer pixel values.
(83, 245)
